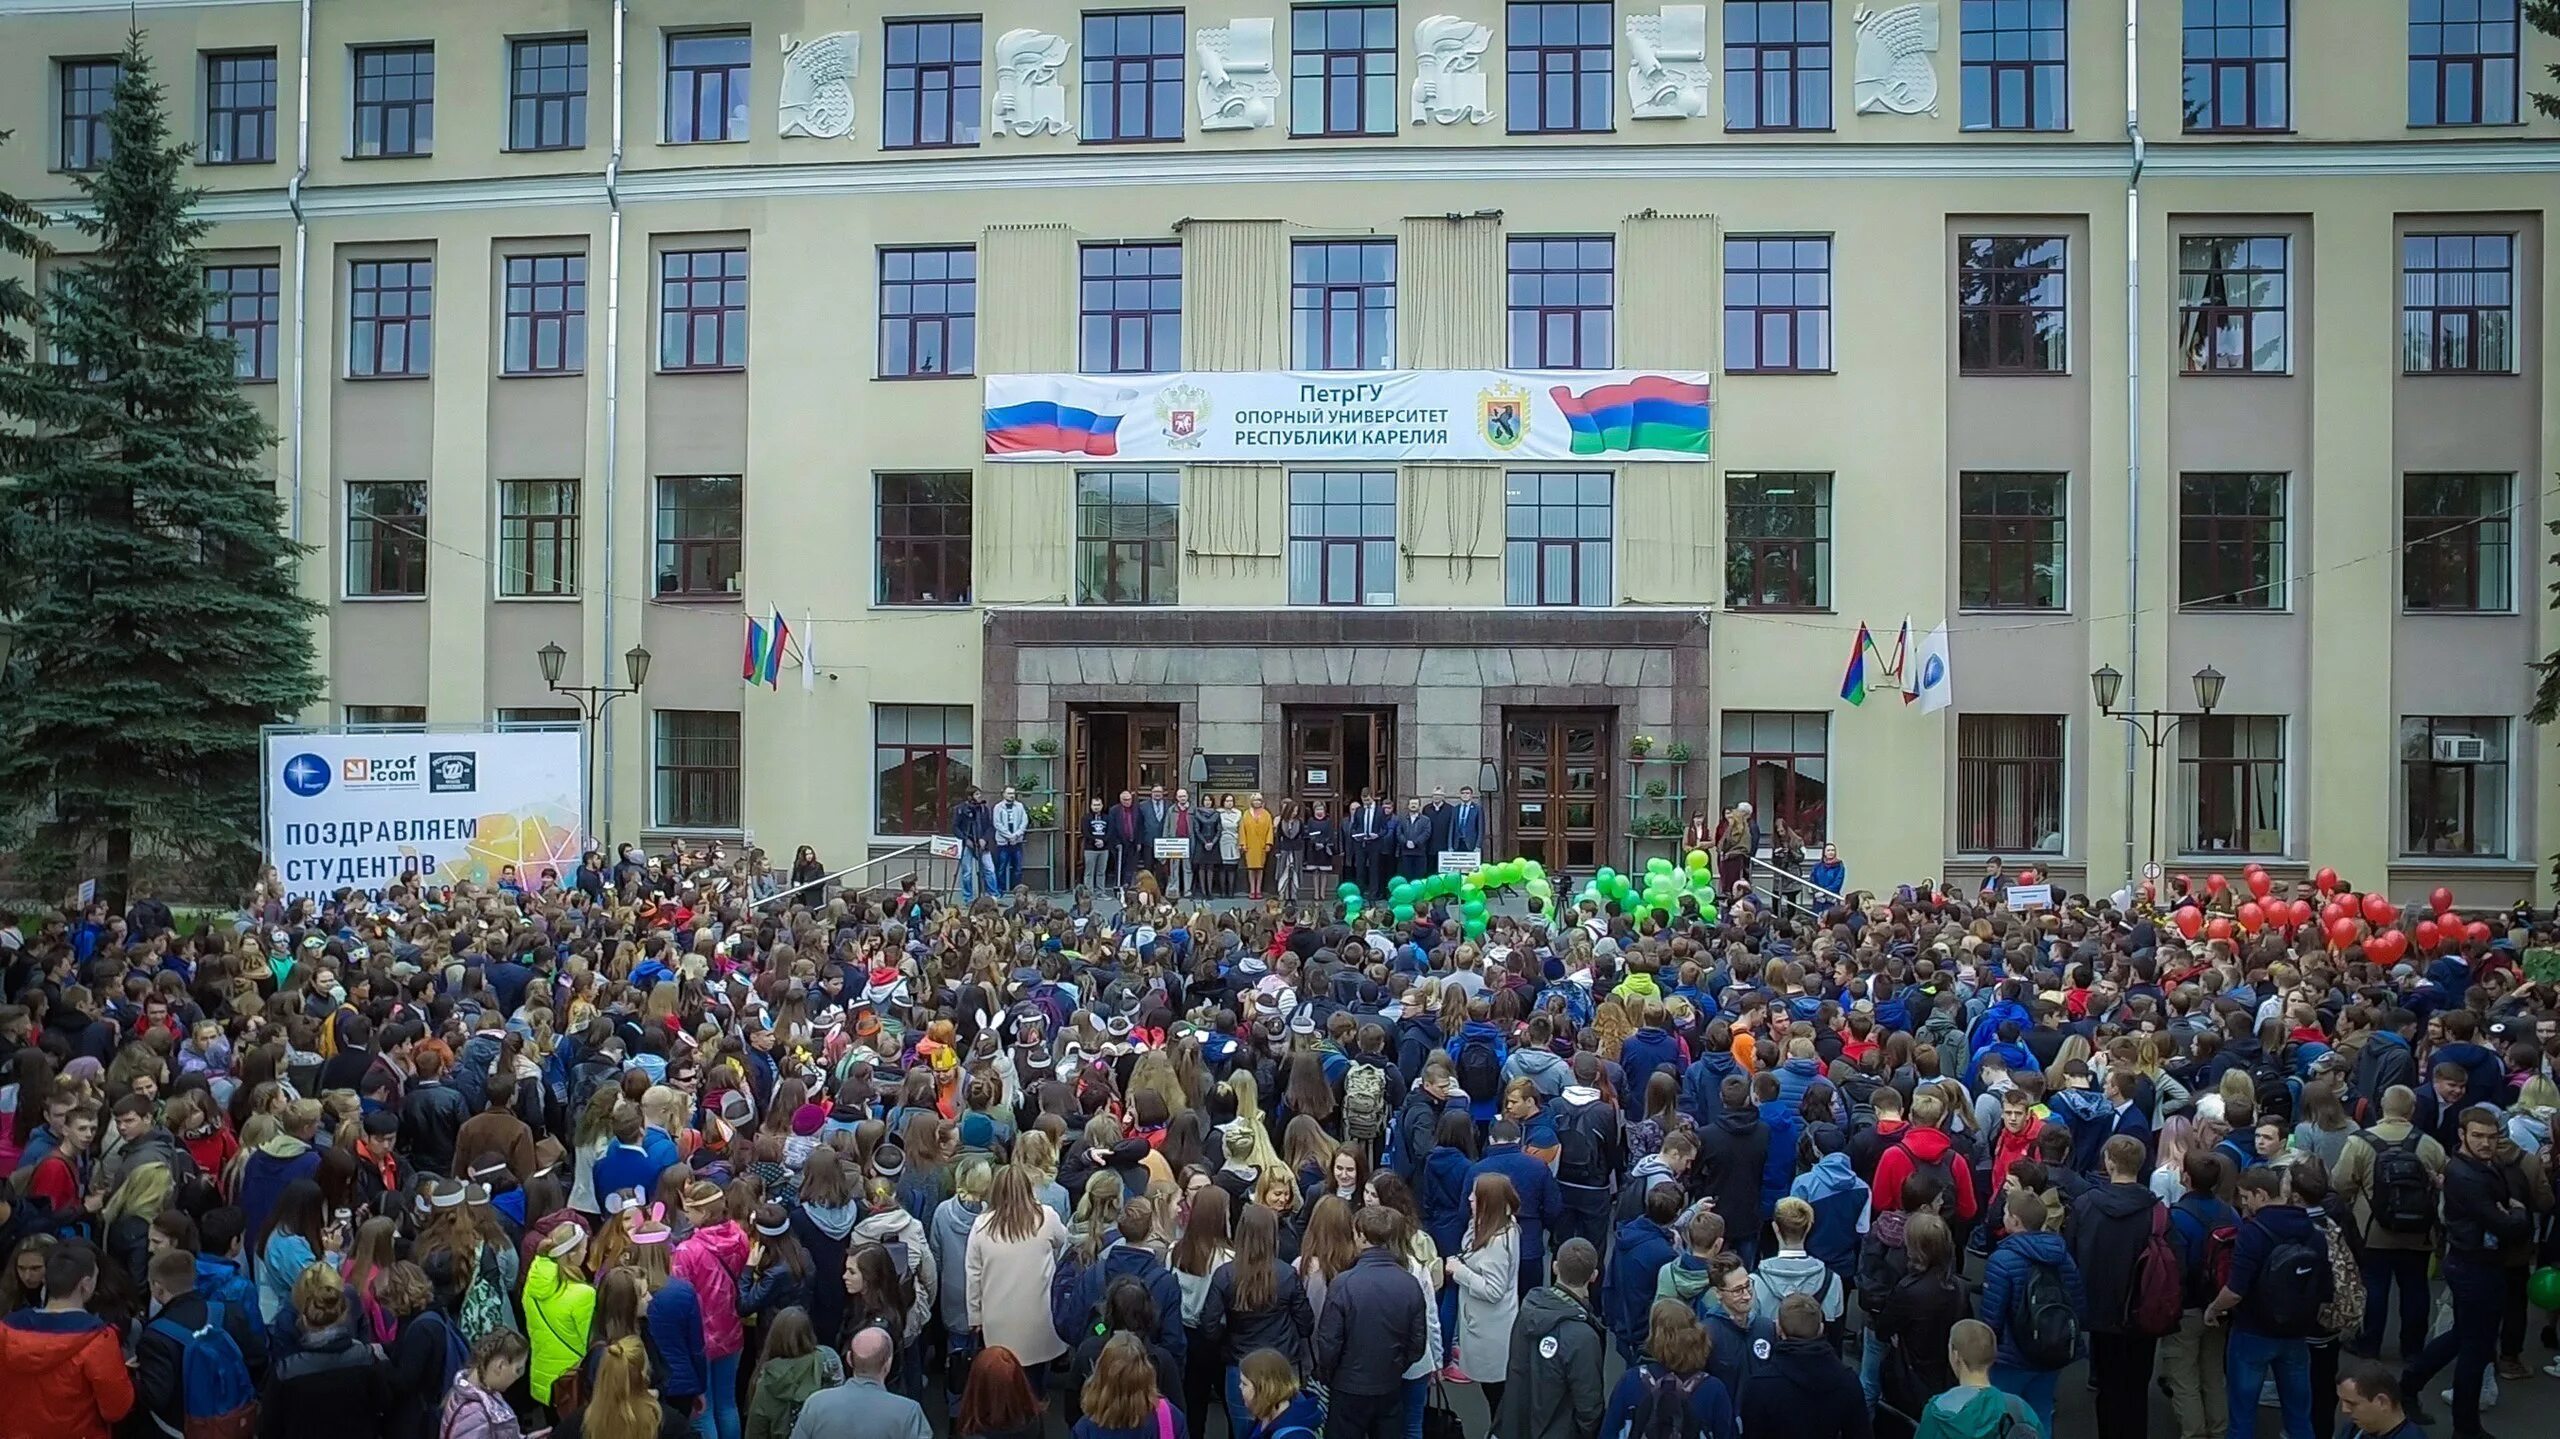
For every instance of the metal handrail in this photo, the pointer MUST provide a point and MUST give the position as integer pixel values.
(1789, 884)
(821, 882)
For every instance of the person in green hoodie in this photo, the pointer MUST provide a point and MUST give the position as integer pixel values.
(1974, 1409)
(1690, 1277)
(795, 1366)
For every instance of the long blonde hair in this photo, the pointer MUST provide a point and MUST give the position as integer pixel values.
(623, 1406)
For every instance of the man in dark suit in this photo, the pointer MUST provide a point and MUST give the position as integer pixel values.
(1436, 810)
(1158, 814)
(1466, 821)
(1414, 858)
(1364, 833)
(1128, 840)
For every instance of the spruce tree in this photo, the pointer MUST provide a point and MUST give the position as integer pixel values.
(158, 622)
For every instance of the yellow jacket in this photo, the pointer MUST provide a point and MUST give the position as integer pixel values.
(557, 1312)
(1255, 836)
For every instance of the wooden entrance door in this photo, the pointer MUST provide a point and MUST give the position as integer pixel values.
(1116, 749)
(1335, 754)
(1555, 781)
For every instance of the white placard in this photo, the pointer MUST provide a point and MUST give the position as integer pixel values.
(1174, 848)
(357, 810)
(1461, 861)
(943, 846)
(2031, 896)
(88, 892)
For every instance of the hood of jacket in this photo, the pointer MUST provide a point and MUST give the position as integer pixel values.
(1833, 1174)
(1808, 1069)
(794, 1379)
(1548, 1306)
(1926, 1145)
(727, 1243)
(889, 1226)
(832, 1220)
(1889, 1228)
(284, 1146)
(1640, 1240)
(2042, 1247)
(953, 1220)
(1739, 1122)
(1536, 1063)
(1970, 1413)
(1650, 1169)
(1811, 1364)
(2122, 1201)
(1301, 1413)
(1718, 1063)
(1687, 1279)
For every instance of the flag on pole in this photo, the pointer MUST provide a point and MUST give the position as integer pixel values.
(809, 653)
(1853, 685)
(1902, 661)
(781, 637)
(752, 670)
(1936, 687)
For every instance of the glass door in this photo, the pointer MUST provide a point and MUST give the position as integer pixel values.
(1556, 777)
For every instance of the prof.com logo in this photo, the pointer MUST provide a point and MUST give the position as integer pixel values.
(359, 772)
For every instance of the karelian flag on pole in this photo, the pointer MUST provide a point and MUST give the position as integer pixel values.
(752, 669)
(1853, 685)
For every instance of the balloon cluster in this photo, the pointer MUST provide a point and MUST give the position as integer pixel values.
(1661, 886)
(1406, 897)
(2344, 917)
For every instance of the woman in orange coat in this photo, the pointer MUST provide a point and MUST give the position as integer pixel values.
(1254, 837)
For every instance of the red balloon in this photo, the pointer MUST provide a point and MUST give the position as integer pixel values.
(2190, 921)
(2427, 933)
(2219, 929)
(2342, 932)
(2215, 884)
(2301, 912)
(2379, 911)
(2386, 948)
(2261, 883)
(2325, 881)
(2332, 912)
(2252, 919)
(2477, 932)
(2441, 900)
(2026, 876)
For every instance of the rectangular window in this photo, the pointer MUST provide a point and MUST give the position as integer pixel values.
(395, 112)
(385, 717)
(1130, 298)
(2012, 305)
(1563, 66)
(1342, 304)
(386, 538)
(1556, 539)
(933, 70)
(2231, 542)
(537, 539)
(2457, 534)
(1342, 70)
(1342, 537)
(2009, 784)
(1777, 541)
(547, 94)
(1128, 531)
(920, 766)
(2010, 538)
(2239, 65)
(696, 762)
(1563, 301)
(546, 299)
(2017, 64)
(241, 306)
(702, 310)
(701, 525)
(1777, 304)
(2453, 786)
(2457, 304)
(1779, 762)
(2462, 62)
(537, 717)
(707, 86)
(240, 108)
(1133, 76)
(88, 92)
(924, 539)
(390, 317)
(928, 313)
(2231, 796)
(1777, 62)
(2231, 304)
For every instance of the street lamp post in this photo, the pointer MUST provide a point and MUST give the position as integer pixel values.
(2154, 726)
(591, 701)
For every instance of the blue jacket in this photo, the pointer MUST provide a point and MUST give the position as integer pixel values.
(1794, 1078)
(1643, 1248)
(1416, 1036)
(2488, 1082)
(1786, 1126)
(2091, 1120)
(1483, 1109)
(1987, 1028)
(2004, 1283)
(1643, 1052)
(675, 1330)
(1702, 1088)
(2018, 1057)
(626, 1166)
(1122, 1260)
(1735, 1347)
(1444, 1197)
(263, 1179)
(1541, 1201)
(1839, 1200)
(1710, 1406)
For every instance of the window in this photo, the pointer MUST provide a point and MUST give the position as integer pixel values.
(1133, 76)
(928, 313)
(2012, 306)
(1131, 298)
(1777, 61)
(702, 310)
(2231, 304)
(1563, 67)
(1556, 540)
(546, 332)
(2458, 537)
(395, 100)
(1342, 537)
(2017, 65)
(2231, 784)
(1779, 762)
(386, 539)
(2231, 542)
(2239, 73)
(924, 539)
(707, 92)
(1342, 304)
(537, 539)
(2457, 304)
(390, 317)
(88, 93)
(547, 94)
(2010, 542)
(1777, 541)
(240, 108)
(696, 761)
(700, 545)
(1342, 70)
(386, 717)
(1777, 304)
(240, 306)
(537, 716)
(2453, 785)
(2462, 62)
(1128, 524)
(933, 84)
(920, 766)
(1564, 301)
(2009, 784)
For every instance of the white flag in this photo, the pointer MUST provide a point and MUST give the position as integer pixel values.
(1937, 682)
(809, 654)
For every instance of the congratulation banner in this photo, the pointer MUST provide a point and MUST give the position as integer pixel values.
(357, 810)
(1388, 415)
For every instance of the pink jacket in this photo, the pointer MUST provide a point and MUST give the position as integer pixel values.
(711, 1259)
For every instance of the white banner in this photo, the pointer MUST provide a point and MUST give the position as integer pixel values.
(1589, 416)
(359, 810)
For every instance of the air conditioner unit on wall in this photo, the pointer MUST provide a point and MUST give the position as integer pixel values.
(2461, 749)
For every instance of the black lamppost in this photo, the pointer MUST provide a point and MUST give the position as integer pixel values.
(592, 700)
(2154, 726)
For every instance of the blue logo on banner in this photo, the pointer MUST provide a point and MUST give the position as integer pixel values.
(1933, 674)
(306, 774)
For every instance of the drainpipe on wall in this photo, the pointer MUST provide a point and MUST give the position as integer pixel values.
(2132, 417)
(612, 412)
(301, 271)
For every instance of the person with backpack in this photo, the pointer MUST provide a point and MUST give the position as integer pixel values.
(1590, 1155)
(1368, 1098)
(2194, 1360)
(2485, 1218)
(2119, 1233)
(2279, 1279)
(1477, 1052)
(1923, 1146)
(198, 1364)
(1925, 1304)
(1670, 1395)
(1974, 1407)
(1804, 1391)
(2033, 1299)
(1555, 1389)
(2386, 1178)
(330, 1386)
(476, 1407)
(1418, 1123)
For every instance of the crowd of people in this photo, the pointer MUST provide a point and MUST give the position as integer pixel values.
(674, 1146)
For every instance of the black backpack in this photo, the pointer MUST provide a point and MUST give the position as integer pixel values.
(1582, 1158)
(2274, 1095)
(1666, 1411)
(2404, 1193)
(1479, 1072)
(2046, 1328)
(2292, 1284)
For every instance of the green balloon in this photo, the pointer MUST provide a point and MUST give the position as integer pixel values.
(1657, 865)
(1403, 913)
(1473, 929)
(1605, 876)
(1350, 889)
(2542, 1291)
(1535, 869)
(1697, 859)
(1472, 908)
(1541, 891)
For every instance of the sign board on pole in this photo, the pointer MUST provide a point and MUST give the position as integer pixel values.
(357, 810)
(1173, 848)
(2031, 896)
(943, 846)
(88, 892)
(1461, 861)
(2151, 870)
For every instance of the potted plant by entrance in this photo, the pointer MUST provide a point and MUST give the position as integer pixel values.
(1011, 747)
(1044, 746)
(1677, 752)
(1656, 789)
(1640, 746)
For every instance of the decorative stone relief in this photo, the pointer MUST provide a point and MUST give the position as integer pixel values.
(1239, 86)
(1667, 63)
(1448, 80)
(1897, 61)
(1031, 88)
(817, 85)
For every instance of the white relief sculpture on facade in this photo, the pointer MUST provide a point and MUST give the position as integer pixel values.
(1667, 63)
(817, 85)
(1449, 82)
(1031, 85)
(1897, 60)
(1239, 84)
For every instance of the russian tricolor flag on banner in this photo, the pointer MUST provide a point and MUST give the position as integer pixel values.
(1051, 427)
